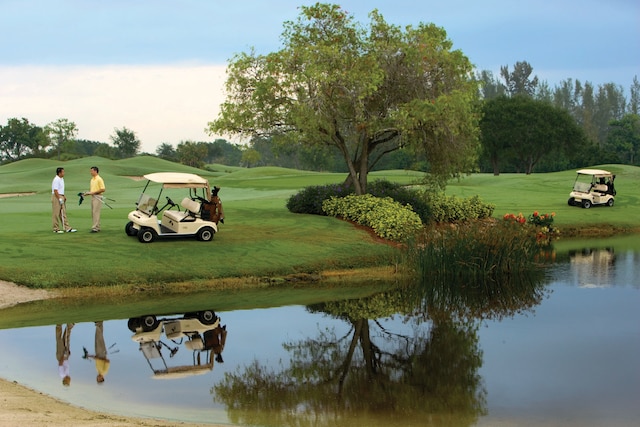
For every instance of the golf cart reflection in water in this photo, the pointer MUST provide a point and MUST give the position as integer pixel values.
(200, 332)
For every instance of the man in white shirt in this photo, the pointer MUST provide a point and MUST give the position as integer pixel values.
(58, 200)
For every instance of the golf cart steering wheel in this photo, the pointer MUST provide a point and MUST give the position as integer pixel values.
(170, 201)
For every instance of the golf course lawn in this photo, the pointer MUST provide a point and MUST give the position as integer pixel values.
(259, 238)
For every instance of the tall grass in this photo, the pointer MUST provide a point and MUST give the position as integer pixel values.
(476, 269)
(473, 252)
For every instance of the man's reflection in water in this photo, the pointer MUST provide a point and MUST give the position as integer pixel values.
(100, 355)
(63, 351)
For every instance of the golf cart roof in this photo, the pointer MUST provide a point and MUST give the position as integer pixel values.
(182, 371)
(178, 180)
(596, 172)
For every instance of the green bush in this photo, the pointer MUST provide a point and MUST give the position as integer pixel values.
(454, 209)
(388, 218)
(309, 199)
(403, 195)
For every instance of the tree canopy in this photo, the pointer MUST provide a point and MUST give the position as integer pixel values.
(525, 130)
(126, 142)
(365, 91)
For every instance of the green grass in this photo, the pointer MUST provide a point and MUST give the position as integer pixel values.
(549, 192)
(259, 237)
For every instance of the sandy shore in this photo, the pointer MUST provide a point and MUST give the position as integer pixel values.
(23, 406)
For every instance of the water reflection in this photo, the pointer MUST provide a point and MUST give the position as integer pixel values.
(200, 332)
(426, 377)
(100, 355)
(373, 375)
(593, 268)
(422, 354)
(63, 351)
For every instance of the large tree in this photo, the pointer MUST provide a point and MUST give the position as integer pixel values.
(364, 91)
(624, 138)
(526, 130)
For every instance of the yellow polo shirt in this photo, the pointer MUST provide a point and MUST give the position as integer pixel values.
(102, 366)
(96, 184)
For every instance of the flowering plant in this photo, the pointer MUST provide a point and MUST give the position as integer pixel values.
(544, 230)
(543, 220)
(515, 218)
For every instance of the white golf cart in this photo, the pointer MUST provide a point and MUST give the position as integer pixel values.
(593, 187)
(198, 213)
(200, 332)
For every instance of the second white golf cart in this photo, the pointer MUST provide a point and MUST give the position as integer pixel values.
(593, 187)
(198, 215)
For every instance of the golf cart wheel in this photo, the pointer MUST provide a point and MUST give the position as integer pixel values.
(208, 317)
(610, 202)
(205, 234)
(147, 235)
(148, 323)
(133, 324)
(586, 204)
(130, 230)
(571, 201)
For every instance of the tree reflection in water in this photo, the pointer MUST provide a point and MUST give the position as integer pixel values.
(375, 376)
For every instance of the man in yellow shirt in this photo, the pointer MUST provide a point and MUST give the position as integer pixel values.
(100, 356)
(96, 188)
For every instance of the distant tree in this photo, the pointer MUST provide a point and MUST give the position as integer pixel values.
(624, 138)
(61, 132)
(167, 152)
(366, 92)
(222, 151)
(490, 87)
(126, 141)
(20, 138)
(250, 157)
(192, 153)
(520, 82)
(526, 130)
(634, 101)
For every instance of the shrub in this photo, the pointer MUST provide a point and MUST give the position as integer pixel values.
(454, 209)
(388, 218)
(403, 195)
(309, 199)
(542, 225)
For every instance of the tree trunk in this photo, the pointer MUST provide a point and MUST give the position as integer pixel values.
(494, 164)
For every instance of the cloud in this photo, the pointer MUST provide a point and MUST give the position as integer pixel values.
(159, 103)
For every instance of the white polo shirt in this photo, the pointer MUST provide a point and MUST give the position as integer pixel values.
(57, 184)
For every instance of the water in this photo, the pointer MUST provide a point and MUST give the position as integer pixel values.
(572, 360)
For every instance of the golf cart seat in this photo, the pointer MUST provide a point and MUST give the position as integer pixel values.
(191, 210)
(194, 344)
(191, 206)
(601, 188)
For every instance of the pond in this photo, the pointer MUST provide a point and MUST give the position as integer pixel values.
(566, 354)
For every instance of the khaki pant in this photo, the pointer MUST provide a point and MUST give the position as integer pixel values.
(59, 214)
(96, 206)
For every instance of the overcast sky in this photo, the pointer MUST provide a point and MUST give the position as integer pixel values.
(157, 66)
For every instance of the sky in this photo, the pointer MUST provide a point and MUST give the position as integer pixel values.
(157, 67)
